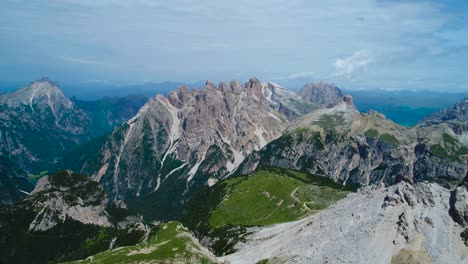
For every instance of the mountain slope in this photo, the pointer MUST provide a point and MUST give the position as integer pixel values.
(14, 183)
(400, 224)
(167, 243)
(110, 112)
(38, 124)
(67, 216)
(176, 145)
(351, 147)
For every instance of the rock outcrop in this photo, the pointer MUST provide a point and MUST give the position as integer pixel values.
(62, 196)
(321, 93)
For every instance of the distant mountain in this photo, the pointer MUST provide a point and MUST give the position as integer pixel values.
(321, 93)
(457, 114)
(38, 123)
(287, 102)
(14, 183)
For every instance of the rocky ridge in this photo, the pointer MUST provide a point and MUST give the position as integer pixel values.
(363, 148)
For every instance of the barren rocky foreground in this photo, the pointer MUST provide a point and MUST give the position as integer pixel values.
(403, 223)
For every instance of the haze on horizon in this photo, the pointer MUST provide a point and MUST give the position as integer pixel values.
(418, 44)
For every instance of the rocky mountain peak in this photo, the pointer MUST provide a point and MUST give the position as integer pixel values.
(223, 87)
(40, 93)
(209, 84)
(255, 87)
(321, 93)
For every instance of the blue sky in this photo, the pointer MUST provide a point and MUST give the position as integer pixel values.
(390, 44)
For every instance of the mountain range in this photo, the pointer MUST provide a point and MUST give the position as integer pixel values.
(230, 161)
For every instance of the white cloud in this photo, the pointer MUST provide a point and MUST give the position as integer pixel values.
(301, 76)
(358, 61)
(185, 41)
(80, 60)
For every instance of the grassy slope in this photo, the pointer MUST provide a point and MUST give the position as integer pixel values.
(268, 196)
(167, 243)
(272, 196)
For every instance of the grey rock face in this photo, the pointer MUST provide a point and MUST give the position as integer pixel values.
(321, 93)
(14, 184)
(286, 102)
(58, 198)
(67, 195)
(459, 205)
